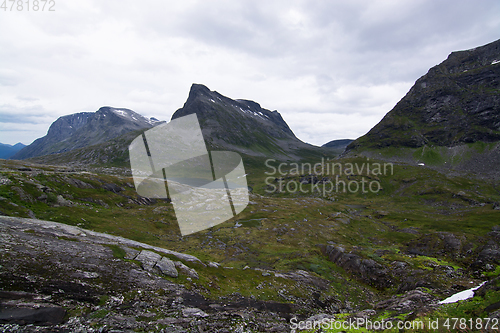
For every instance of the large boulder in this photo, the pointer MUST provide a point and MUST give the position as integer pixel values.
(367, 270)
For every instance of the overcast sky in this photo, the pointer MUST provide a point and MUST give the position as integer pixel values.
(332, 69)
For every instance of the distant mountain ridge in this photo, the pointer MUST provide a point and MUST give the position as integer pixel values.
(85, 129)
(6, 150)
(339, 144)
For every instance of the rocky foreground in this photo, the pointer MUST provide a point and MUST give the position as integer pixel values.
(59, 278)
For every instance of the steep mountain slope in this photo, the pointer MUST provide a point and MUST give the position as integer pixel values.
(6, 151)
(85, 129)
(242, 125)
(449, 120)
(456, 102)
(113, 152)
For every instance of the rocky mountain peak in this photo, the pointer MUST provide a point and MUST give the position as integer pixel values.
(238, 124)
(456, 102)
(209, 104)
(467, 60)
(84, 129)
(198, 90)
(66, 125)
(124, 115)
(235, 125)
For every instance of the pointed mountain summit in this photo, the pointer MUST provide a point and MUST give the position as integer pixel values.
(85, 129)
(241, 125)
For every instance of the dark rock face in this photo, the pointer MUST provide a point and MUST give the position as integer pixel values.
(456, 102)
(489, 253)
(404, 277)
(439, 244)
(210, 106)
(239, 125)
(85, 129)
(409, 301)
(39, 316)
(366, 270)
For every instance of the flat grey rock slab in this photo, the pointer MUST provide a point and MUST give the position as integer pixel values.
(148, 259)
(167, 267)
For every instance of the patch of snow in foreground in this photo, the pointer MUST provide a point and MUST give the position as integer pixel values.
(495, 62)
(463, 295)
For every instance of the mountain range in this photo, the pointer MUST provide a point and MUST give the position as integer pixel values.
(227, 124)
(6, 150)
(84, 129)
(449, 119)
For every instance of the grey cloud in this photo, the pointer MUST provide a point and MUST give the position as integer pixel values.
(246, 29)
(21, 119)
(24, 115)
(8, 77)
(7, 81)
(323, 57)
(27, 98)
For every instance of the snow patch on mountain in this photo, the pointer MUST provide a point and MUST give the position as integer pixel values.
(253, 113)
(134, 116)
